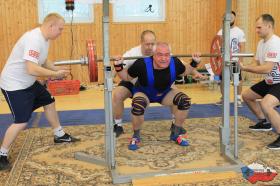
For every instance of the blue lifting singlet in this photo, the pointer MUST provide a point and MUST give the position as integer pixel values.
(151, 92)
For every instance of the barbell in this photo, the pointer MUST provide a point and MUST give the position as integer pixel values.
(91, 60)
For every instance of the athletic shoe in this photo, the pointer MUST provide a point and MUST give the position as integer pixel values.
(275, 145)
(261, 126)
(65, 138)
(4, 163)
(180, 140)
(134, 143)
(118, 130)
(183, 131)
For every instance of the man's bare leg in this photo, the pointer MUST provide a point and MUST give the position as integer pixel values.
(59, 135)
(120, 94)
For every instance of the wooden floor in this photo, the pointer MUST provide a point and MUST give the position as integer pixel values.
(93, 97)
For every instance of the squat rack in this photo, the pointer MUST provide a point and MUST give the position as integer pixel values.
(110, 139)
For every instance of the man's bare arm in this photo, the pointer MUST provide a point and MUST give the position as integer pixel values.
(261, 69)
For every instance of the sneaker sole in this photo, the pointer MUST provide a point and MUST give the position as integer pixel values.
(68, 141)
(263, 130)
(272, 148)
(133, 149)
(118, 134)
(58, 142)
(5, 167)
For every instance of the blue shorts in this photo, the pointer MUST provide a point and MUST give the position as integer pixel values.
(23, 102)
(158, 98)
(153, 98)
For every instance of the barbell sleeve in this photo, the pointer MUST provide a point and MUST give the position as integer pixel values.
(82, 61)
(242, 55)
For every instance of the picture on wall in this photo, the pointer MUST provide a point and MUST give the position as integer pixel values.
(139, 11)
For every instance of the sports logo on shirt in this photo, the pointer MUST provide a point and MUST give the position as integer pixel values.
(234, 45)
(34, 54)
(271, 54)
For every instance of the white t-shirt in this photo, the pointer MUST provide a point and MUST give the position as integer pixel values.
(32, 46)
(136, 51)
(237, 36)
(270, 51)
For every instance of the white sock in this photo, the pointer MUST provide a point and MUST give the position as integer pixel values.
(118, 122)
(59, 132)
(173, 118)
(3, 151)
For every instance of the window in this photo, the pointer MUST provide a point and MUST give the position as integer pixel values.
(83, 12)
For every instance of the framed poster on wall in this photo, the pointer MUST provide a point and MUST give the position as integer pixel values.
(138, 10)
(83, 12)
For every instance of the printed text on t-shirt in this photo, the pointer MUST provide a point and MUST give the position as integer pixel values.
(34, 54)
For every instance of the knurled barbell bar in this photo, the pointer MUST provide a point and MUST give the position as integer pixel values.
(91, 59)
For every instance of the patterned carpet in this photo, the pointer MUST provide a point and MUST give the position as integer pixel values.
(37, 161)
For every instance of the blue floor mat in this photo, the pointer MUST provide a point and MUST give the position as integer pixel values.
(97, 116)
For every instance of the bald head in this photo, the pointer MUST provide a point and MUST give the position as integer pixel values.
(148, 40)
(52, 17)
(52, 26)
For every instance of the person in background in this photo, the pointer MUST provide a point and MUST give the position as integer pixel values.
(124, 88)
(237, 45)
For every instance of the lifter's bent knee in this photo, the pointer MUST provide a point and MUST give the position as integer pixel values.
(139, 105)
(182, 101)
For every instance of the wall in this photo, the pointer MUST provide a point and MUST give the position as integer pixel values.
(190, 26)
(249, 11)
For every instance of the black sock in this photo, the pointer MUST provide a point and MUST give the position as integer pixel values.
(136, 133)
(172, 126)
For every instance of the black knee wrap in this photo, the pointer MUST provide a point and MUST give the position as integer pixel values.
(182, 101)
(139, 105)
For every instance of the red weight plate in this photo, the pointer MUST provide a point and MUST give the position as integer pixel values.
(92, 64)
(216, 62)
